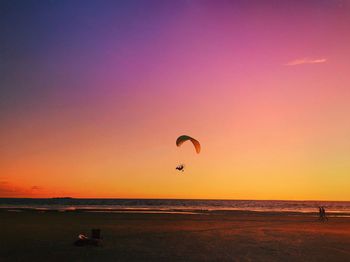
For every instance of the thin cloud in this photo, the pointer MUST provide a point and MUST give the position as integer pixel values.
(35, 188)
(8, 189)
(306, 61)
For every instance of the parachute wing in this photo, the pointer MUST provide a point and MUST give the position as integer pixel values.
(181, 139)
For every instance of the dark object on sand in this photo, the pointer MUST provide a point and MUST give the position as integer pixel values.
(95, 239)
(96, 233)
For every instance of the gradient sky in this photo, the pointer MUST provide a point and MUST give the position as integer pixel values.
(95, 93)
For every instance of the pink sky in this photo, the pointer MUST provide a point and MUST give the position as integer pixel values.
(97, 96)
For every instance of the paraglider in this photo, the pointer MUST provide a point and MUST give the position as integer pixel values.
(180, 168)
(182, 139)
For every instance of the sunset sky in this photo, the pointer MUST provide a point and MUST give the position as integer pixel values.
(95, 93)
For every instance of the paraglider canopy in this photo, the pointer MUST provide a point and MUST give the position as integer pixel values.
(181, 139)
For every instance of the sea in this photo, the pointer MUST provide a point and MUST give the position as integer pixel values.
(182, 206)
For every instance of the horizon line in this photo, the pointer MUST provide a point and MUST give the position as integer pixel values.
(210, 199)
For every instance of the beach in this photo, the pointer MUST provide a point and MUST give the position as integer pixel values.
(219, 236)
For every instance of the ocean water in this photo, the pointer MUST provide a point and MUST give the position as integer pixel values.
(172, 205)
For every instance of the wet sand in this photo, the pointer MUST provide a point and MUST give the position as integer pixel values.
(235, 236)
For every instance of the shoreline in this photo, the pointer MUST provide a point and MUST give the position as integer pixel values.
(186, 211)
(333, 208)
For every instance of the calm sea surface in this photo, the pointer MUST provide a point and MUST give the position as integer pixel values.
(171, 205)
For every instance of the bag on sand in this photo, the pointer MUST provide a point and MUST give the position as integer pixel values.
(95, 239)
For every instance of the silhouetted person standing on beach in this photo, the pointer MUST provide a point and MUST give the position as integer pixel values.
(324, 214)
(320, 213)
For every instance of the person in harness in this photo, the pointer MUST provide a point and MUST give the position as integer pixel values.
(180, 168)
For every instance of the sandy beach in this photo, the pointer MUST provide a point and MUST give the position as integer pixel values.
(234, 236)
